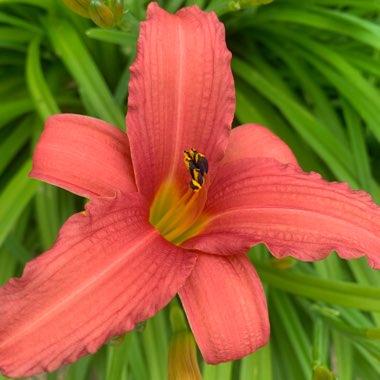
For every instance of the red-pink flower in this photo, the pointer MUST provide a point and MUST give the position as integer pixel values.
(146, 235)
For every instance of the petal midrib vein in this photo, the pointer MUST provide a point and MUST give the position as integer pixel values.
(180, 99)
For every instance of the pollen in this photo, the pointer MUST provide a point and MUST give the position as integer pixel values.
(197, 165)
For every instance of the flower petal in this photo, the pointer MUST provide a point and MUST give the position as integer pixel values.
(292, 212)
(255, 141)
(108, 270)
(181, 95)
(84, 155)
(225, 304)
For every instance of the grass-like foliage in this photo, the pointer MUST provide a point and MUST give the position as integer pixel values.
(309, 70)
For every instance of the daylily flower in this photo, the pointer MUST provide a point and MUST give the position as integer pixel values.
(147, 235)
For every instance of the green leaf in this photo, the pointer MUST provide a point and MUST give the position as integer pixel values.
(42, 97)
(258, 365)
(114, 36)
(118, 359)
(342, 23)
(221, 371)
(319, 138)
(14, 198)
(46, 4)
(12, 109)
(14, 140)
(78, 61)
(334, 292)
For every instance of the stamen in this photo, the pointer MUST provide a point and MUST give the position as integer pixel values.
(197, 165)
(174, 215)
(172, 211)
(182, 218)
(179, 236)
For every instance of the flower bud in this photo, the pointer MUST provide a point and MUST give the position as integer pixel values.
(101, 14)
(183, 358)
(117, 7)
(183, 362)
(78, 6)
(104, 13)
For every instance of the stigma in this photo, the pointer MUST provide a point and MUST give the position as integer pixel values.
(197, 165)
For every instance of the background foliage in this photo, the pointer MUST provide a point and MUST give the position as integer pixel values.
(309, 70)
